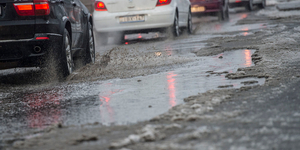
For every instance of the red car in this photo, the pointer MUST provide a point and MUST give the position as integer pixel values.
(210, 7)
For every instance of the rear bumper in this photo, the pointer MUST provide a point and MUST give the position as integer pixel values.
(159, 17)
(21, 52)
(237, 3)
(209, 6)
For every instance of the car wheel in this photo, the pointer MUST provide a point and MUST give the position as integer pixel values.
(175, 27)
(226, 15)
(66, 63)
(190, 23)
(262, 4)
(174, 30)
(90, 46)
(220, 15)
(249, 6)
(224, 12)
(101, 38)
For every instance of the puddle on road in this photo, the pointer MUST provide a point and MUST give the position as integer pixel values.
(230, 26)
(140, 98)
(123, 101)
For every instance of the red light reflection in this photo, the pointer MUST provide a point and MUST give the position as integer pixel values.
(172, 89)
(218, 27)
(44, 108)
(168, 50)
(139, 36)
(245, 29)
(106, 111)
(248, 58)
(244, 16)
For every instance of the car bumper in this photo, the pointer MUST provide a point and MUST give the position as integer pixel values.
(209, 6)
(237, 3)
(159, 17)
(21, 53)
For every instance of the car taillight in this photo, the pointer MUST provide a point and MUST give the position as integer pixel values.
(24, 9)
(100, 6)
(42, 38)
(163, 2)
(41, 7)
(37, 8)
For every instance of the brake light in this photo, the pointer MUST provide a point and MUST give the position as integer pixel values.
(24, 9)
(42, 38)
(163, 2)
(100, 6)
(42, 9)
(37, 8)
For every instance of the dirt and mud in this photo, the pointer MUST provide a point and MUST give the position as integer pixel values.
(252, 117)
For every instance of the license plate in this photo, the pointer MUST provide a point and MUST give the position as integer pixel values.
(129, 19)
(198, 9)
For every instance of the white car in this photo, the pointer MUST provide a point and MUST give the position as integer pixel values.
(140, 16)
(248, 4)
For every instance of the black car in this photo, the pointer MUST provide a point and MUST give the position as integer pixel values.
(40, 33)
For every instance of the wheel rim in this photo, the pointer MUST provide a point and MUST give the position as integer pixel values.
(91, 46)
(190, 24)
(68, 54)
(176, 26)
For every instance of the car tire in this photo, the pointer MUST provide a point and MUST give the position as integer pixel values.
(249, 6)
(190, 23)
(174, 30)
(102, 38)
(90, 46)
(223, 14)
(262, 4)
(65, 62)
(227, 11)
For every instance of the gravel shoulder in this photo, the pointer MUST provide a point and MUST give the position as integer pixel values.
(259, 117)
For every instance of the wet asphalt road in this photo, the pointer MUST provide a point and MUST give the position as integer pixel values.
(28, 102)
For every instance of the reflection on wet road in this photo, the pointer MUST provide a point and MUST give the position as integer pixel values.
(140, 98)
(172, 88)
(43, 101)
(230, 26)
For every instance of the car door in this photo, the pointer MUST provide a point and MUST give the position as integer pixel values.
(79, 19)
(69, 8)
